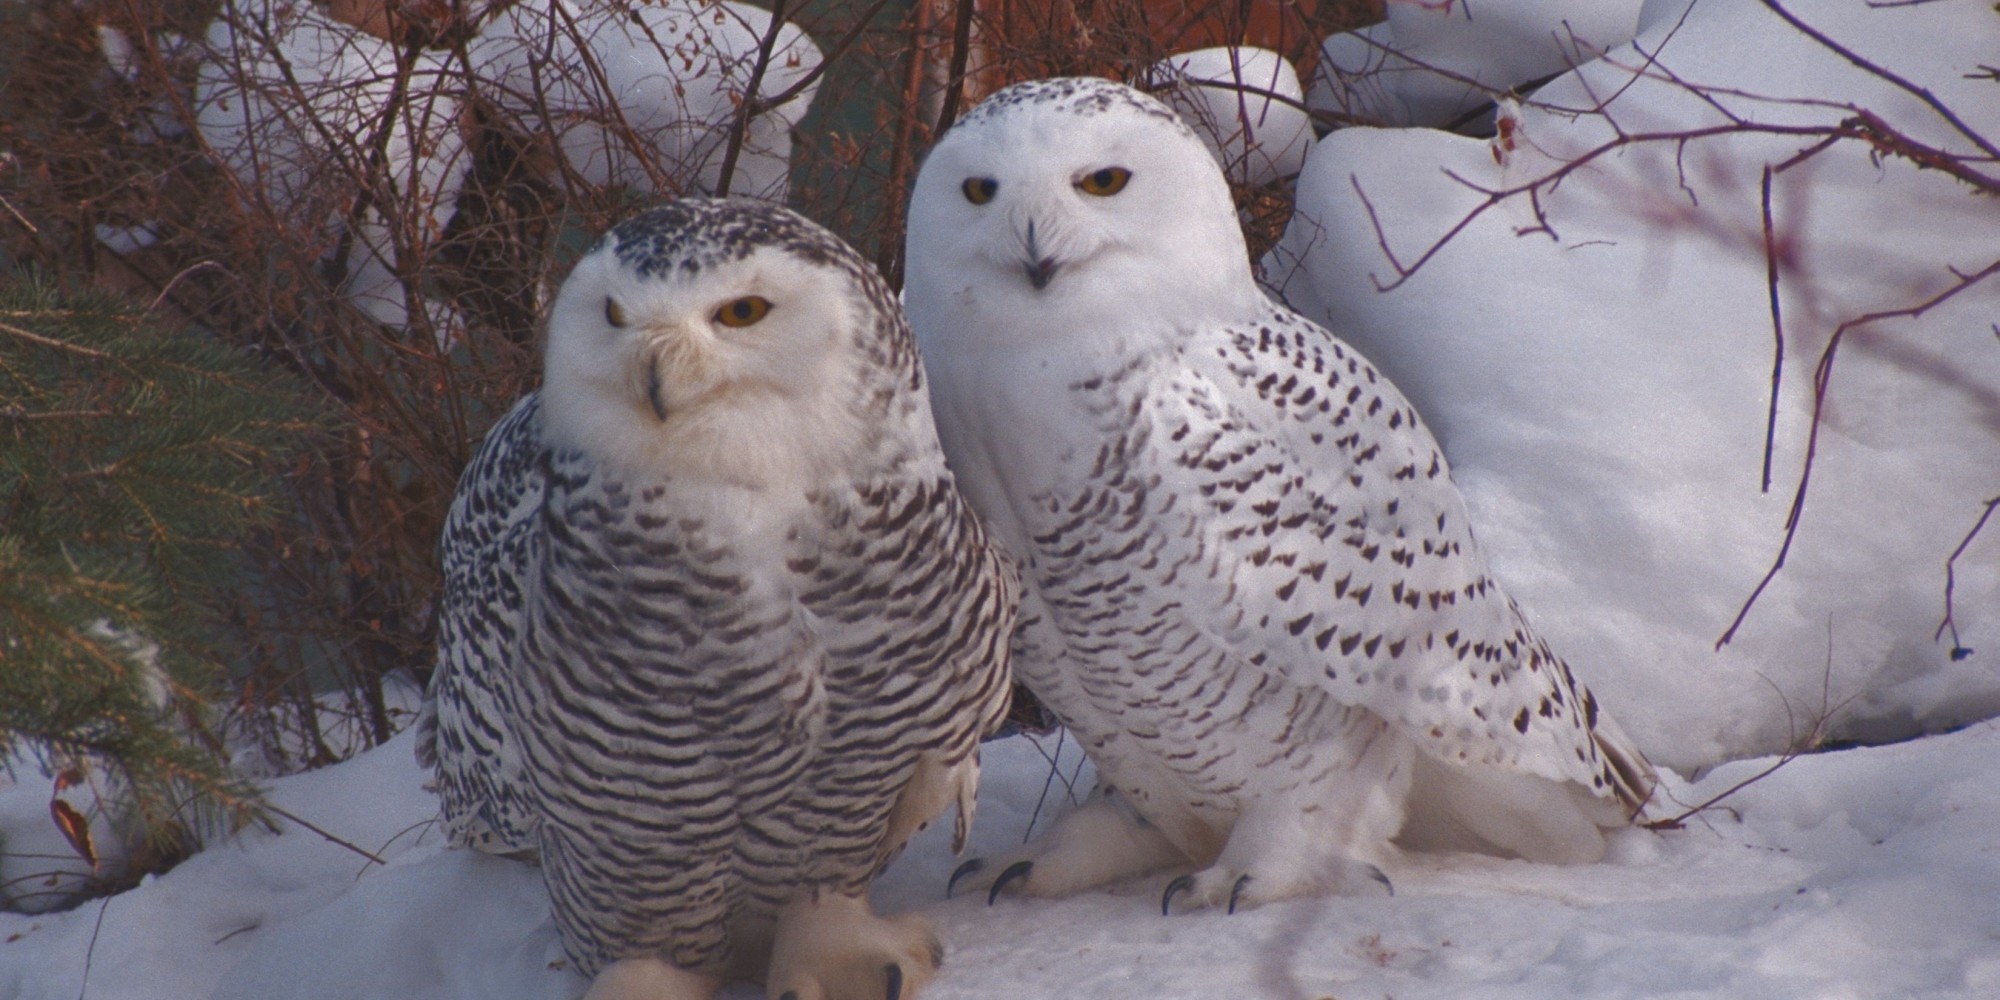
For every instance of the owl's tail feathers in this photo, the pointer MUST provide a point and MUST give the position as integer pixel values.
(1630, 774)
(1460, 807)
(935, 785)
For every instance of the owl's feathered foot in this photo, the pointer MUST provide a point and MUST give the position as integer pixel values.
(1317, 837)
(835, 948)
(1096, 845)
(1244, 890)
(649, 979)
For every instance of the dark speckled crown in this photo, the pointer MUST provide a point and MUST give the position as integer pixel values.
(691, 234)
(1083, 96)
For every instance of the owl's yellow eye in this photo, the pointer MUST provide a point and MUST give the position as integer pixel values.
(980, 190)
(614, 313)
(1104, 183)
(744, 311)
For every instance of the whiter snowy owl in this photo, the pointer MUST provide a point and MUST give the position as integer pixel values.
(718, 634)
(1251, 590)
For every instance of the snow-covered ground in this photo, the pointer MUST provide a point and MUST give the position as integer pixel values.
(1602, 390)
(1870, 874)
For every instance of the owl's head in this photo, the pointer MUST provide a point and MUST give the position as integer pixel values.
(1078, 199)
(722, 338)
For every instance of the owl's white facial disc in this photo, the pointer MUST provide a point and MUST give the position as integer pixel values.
(709, 339)
(1071, 208)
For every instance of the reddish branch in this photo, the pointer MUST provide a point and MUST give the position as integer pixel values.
(1822, 379)
(1877, 70)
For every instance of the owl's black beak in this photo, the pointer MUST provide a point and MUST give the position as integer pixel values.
(1039, 272)
(1038, 267)
(655, 394)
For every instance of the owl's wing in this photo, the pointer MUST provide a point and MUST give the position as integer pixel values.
(918, 606)
(465, 729)
(1329, 546)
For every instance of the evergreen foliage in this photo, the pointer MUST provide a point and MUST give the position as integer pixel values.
(134, 462)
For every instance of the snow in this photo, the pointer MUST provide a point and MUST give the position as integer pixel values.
(1865, 873)
(1601, 391)
(674, 71)
(1602, 387)
(286, 89)
(283, 96)
(1431, 61)
(1246, 105)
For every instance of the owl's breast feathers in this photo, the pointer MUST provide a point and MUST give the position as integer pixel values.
(728, 695)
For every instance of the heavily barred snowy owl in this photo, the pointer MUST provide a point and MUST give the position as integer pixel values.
(718, 634)
(1251, 590)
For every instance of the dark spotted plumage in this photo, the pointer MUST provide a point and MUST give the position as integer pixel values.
(1078, 96)
(1262, 496)
(1251, 586)
(701, 686)
(693, 234)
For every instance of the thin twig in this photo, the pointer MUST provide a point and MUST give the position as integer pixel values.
(18, 217)
(961, 52)
(748, 107)
(60, 345)
(1777, 330)
(812, 76)
(1494, 196)
(1822, 379)
(1795, 747)
(90, 951)
(1877, 71)
(329, 836)
(1958, 650)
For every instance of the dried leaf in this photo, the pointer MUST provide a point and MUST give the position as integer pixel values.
(75, 829)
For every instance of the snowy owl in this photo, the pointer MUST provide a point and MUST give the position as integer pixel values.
(1250, 587)
(718, 634)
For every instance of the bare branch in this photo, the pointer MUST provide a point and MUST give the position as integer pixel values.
(1958, 650)
(325, 834)
(748, 107)
(961, 51)
(1878, 71)
(1777, 329)
(1495, 196)
(812, 76)
(1822, 380)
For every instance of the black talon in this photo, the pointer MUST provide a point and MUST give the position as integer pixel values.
(1236, 891)
(1167, 898)
(1376, 874)
(893, 973)
(1013, 873)
(960, 872)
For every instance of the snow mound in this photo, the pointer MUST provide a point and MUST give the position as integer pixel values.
(1429, 63)
(289, 98)
(1246, 105)
(671, 75)
(1597, 361)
